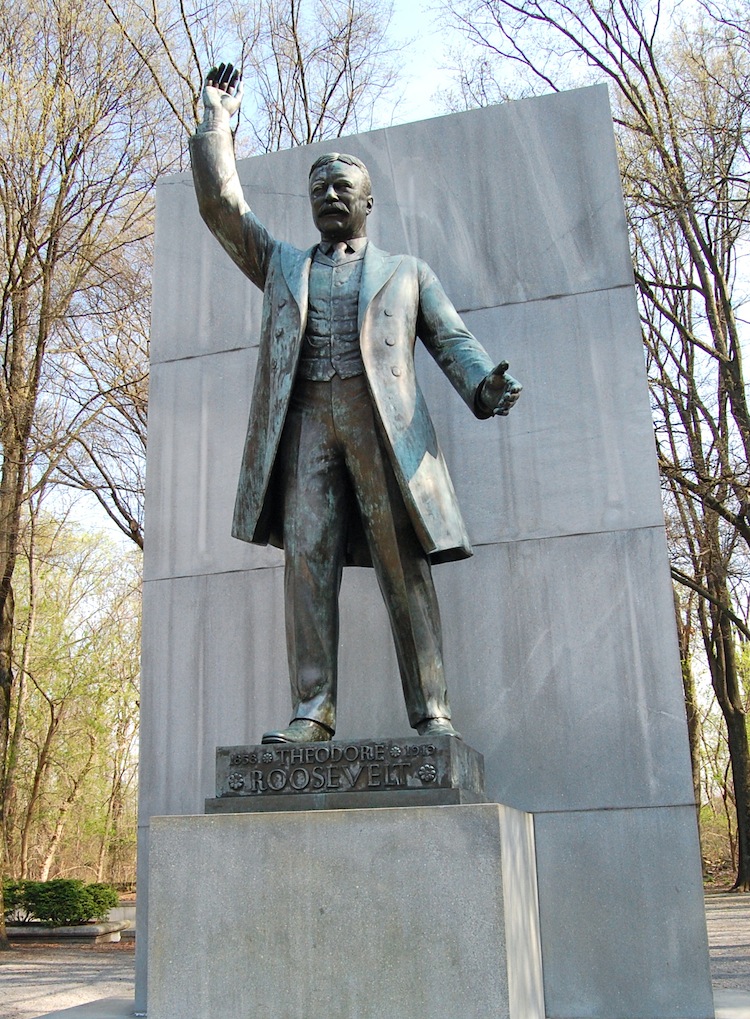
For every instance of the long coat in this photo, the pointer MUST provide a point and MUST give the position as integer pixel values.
(400, 299)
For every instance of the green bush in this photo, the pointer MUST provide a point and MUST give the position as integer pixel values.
(63, 902)
(59, 903)
(105, 898)
(14, 902)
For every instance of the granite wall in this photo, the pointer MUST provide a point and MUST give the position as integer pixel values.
(560, 640)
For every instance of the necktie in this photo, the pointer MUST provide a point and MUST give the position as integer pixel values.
(339, 251)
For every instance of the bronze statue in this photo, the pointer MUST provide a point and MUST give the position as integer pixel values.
(341, 462)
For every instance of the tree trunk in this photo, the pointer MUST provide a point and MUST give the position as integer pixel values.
(684, 634)
(739, 753)
(694, 729)
(6, 686)
(37, 786)
(62, 815)
(4, 943)
(719, 643)
(49, 859)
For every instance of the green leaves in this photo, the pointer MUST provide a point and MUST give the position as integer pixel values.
(63, 902)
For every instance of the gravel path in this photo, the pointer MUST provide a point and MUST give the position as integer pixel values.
(728, 922)
(34, 981)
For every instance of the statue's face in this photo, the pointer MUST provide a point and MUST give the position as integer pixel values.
(340, 201)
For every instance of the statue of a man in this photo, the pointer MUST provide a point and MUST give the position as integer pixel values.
(341, 462)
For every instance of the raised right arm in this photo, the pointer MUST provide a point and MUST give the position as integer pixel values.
(217, 186)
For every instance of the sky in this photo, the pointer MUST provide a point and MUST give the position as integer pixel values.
(425, 58)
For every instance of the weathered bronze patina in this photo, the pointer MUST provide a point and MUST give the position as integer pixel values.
(416, 771)
(342, 464)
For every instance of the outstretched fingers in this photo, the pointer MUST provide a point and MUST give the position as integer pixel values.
(224, 77)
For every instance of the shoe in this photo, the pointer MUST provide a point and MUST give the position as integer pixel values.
(437, 727)
(300, 730)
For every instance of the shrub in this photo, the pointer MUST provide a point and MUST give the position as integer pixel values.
(105, 898)
(14, 901)
(63, 902)
(59, 903)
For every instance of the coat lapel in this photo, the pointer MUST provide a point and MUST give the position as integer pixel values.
(378, 268)
(295, 265)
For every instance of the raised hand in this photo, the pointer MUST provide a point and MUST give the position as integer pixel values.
(222, 89)
(499, 391)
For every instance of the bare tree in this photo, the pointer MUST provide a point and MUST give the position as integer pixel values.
(105, 366)
(319, 69)
(77, 164)
(312, 68)
(680, 97)
(172, 41)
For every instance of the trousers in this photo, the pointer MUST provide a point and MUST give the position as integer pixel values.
(334, 461)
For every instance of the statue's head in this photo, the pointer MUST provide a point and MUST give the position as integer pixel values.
(340, 196)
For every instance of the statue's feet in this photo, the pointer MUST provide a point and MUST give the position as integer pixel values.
(437, 727)
(299, 730)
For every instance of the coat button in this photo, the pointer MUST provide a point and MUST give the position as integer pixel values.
(395, 370)
(279, 332)
(274, 364)
(387, 311)
(390, 341)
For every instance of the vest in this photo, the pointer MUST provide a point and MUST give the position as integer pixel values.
(331, 342)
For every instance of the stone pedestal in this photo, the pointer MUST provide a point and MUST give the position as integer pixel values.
(423, 911)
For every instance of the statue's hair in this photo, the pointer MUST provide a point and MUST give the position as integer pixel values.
(342, 157)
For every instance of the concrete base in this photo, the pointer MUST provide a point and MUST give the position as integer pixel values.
(729, 1005)
(102, 1008)
(80, 934)
(367, 913)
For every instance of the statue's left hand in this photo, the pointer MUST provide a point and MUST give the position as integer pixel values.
(499, 391)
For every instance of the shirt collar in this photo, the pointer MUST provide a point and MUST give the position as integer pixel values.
(353, 245)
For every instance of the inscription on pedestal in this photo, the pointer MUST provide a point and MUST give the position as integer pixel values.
(337, 767)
